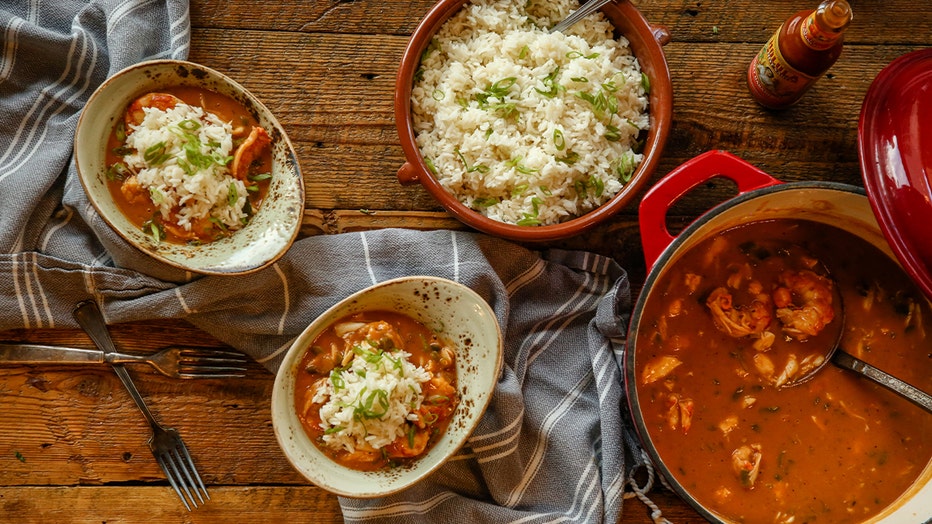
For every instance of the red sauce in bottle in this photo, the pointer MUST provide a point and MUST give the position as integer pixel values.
(798, 54)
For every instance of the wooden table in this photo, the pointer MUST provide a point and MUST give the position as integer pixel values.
(72, 444)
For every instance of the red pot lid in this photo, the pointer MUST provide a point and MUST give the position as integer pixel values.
(895, 151)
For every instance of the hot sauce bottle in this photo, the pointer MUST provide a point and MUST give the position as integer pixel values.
(798, 54)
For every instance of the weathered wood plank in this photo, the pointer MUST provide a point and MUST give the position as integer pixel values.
(702, 21)
(272, 504)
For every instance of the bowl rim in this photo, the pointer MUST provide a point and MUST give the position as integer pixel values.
(660, 125)
(282, 398)
(84, 175)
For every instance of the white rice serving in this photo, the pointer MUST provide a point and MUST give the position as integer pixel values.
(524, 126)
(367, 405)
(182, 191)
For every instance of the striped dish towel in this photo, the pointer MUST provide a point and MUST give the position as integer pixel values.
(554, 444)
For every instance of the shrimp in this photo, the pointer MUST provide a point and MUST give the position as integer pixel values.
(251, 149)
(740, 321)
(135, 113)
(746, 463)
(804, 303)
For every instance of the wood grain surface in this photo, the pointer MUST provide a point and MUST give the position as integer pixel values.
(73, 446)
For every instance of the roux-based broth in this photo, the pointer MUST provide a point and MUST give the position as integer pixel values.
(834, 449)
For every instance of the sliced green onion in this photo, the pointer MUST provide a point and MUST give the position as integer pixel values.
(232, 195)
(559, 141)
(645, 82)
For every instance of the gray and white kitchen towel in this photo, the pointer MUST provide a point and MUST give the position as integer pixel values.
(554, 445)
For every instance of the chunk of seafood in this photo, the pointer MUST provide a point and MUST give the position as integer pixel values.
(804, 303)
(790, 371)
(746, 463)
(133, 191)
(692, 281)
(135, 113)
(739, 321)
(411, 444)
(658, 368)
(795, 369)
(764, 366)
(379, 334)
(679, 412)
(251, 149)
(728, 425)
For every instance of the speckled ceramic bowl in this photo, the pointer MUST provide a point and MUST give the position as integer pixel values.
(646, 43)
(442, 305)
(272, 229)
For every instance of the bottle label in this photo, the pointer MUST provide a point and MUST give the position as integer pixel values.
(772, 80)
(814, 37)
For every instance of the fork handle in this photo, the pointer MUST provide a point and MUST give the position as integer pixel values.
(88, 316)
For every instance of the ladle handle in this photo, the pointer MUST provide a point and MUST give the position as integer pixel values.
(907, 391)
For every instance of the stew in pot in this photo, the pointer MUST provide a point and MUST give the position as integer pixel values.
(743, 312)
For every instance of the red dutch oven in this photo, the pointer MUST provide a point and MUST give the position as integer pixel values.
(895, 150)
(760, 197)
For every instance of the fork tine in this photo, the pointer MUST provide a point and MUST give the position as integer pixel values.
(192, 470)
(209, 363)
(209, 376)
(211, 371)
(172, 472)
(213, 355)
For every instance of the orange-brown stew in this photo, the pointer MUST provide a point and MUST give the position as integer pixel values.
(380, 332)
(834, 449)
(144, 213)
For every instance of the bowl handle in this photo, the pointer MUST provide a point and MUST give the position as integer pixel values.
(652, 213)
(407, 175)
(661, 34)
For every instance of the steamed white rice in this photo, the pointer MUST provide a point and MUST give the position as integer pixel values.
(503, 147)
(182, 193)
(389, 386)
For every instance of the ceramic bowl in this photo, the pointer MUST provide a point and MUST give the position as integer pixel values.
(646, 43)
(270, 232)
(442, 305)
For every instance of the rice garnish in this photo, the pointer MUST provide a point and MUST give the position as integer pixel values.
(180, 156)
(367, 404)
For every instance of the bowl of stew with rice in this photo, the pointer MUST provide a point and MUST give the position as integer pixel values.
(740, 304)
(386, 385)
(186, 165)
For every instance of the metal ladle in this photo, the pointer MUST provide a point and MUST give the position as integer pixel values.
(845, 360)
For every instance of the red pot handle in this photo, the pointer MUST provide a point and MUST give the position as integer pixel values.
(652, 213)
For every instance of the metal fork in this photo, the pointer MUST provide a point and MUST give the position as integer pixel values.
(174, 361)
(166, 444)
(585, 10)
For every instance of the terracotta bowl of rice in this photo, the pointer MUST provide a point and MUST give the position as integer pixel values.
(385, 386)
(526, 134)
(186, 165)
